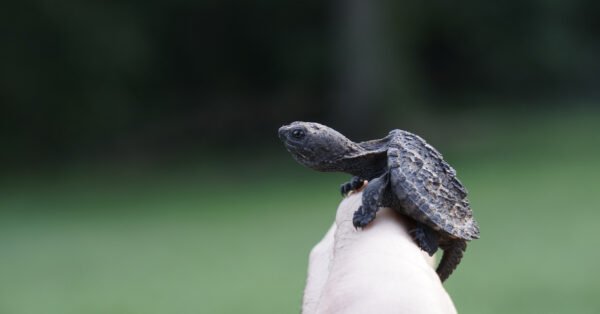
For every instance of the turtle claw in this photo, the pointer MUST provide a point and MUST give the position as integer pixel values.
(362, 218)
(355, 184)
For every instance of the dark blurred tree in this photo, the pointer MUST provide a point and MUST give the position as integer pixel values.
(132, 78)
(360, 57)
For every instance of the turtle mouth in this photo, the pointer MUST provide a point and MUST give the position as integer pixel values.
(301, 156)
(292, 146)
(296, 150)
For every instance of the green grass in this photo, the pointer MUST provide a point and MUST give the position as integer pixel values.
(234, 239)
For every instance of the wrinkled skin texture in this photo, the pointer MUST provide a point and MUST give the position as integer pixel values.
(405, 174)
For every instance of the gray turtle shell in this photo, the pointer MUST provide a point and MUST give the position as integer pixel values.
(427, 188)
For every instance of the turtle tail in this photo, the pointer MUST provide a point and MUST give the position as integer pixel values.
(453, 253)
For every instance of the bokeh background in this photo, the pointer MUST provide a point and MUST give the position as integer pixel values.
(141, 171)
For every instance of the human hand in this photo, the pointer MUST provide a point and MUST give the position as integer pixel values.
(378, 269)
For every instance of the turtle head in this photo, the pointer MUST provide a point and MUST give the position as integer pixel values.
(316, 146)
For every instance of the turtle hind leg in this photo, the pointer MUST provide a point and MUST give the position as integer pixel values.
(453, 253)
(426, 238)
(371, 200)
(354, 184)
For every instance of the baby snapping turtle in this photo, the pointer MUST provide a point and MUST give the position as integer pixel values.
(404, 173)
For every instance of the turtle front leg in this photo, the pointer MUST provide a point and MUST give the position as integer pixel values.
(354, 184)
(371, 200)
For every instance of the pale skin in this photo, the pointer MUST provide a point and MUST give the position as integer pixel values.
(378, 269)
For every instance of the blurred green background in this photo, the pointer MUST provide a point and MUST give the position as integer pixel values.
(141, 171)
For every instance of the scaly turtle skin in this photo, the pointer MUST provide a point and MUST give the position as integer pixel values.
(404, 173)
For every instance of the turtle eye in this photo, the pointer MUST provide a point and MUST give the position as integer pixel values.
(298, 134)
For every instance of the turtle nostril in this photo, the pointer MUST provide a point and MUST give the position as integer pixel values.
(282, 132)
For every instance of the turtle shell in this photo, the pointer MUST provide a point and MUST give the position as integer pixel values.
(427, 188)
